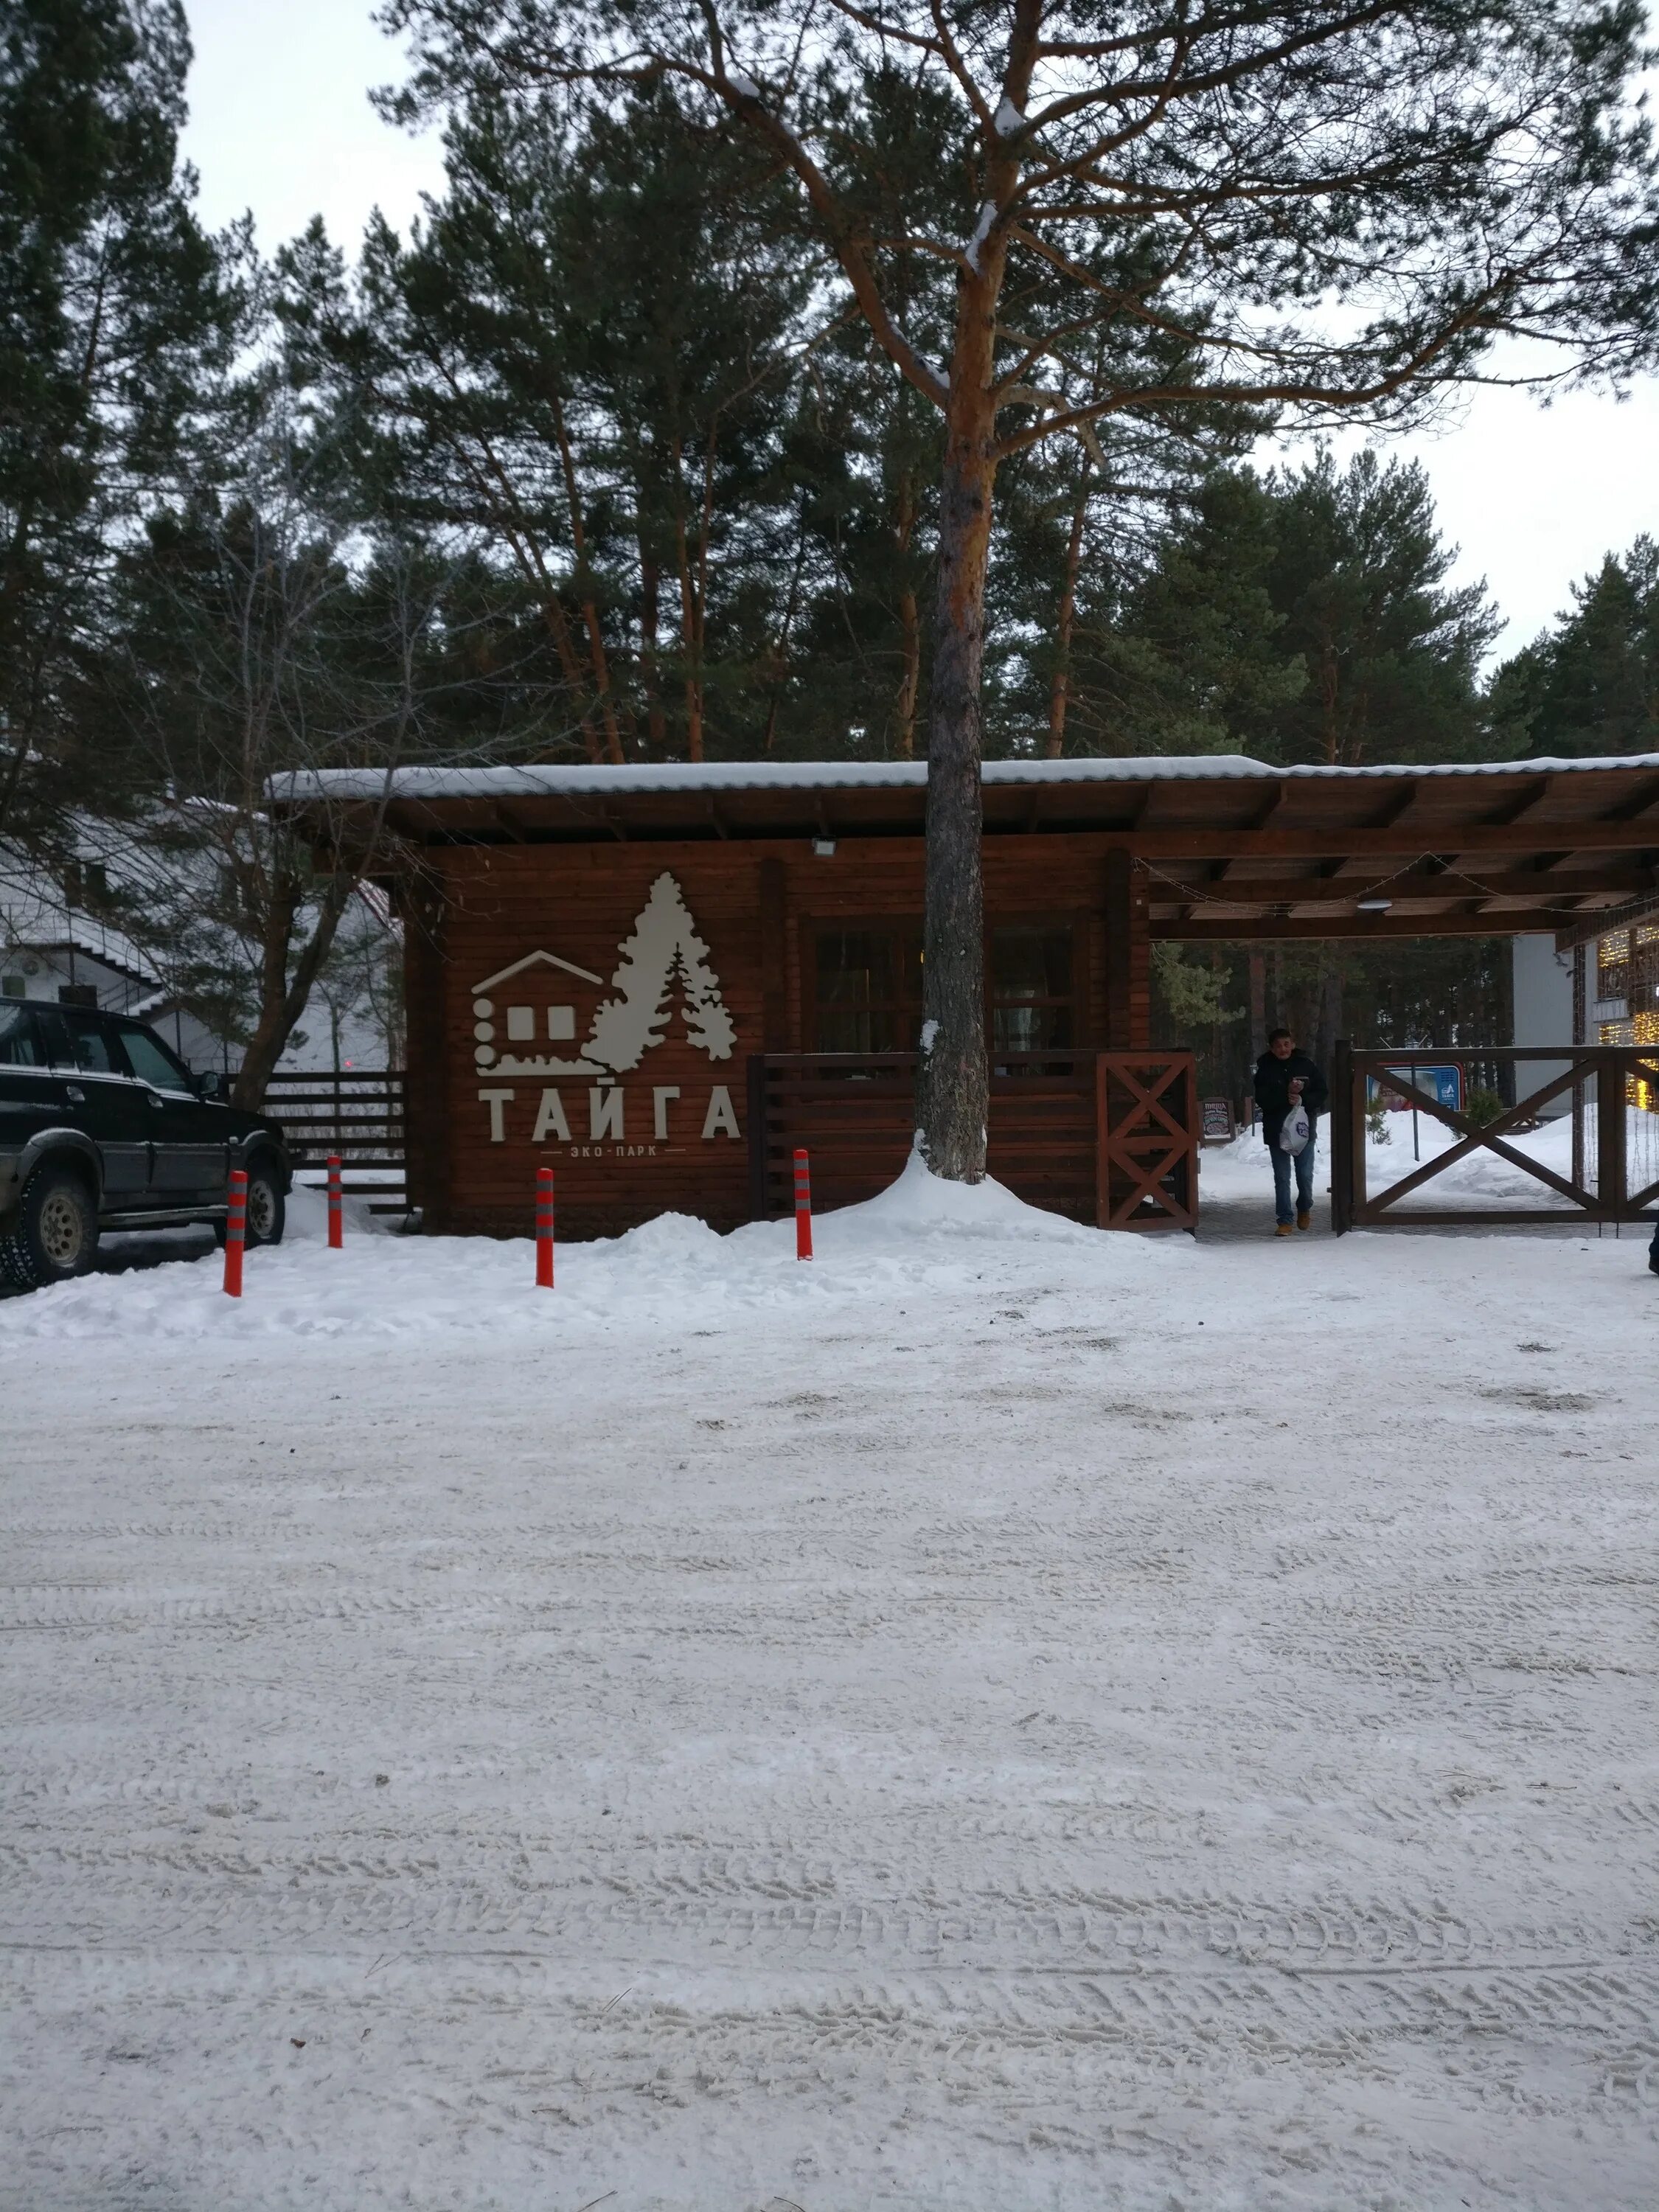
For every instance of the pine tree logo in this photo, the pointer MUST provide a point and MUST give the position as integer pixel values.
(664, 956)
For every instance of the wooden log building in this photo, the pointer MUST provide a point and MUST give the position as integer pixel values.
(658, 979)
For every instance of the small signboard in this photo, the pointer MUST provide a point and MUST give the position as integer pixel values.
(1441, 1081)
(1218, 1124)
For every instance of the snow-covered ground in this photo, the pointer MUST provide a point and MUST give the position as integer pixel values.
(1003, 1718)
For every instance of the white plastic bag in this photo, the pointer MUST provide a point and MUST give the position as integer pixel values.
(1295, 1131)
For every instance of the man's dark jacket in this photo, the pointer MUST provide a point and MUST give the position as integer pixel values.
(1272, 1091)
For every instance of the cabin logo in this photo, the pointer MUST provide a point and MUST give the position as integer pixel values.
(662, 962)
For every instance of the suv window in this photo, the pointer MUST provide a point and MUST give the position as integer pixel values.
(150, 1059)
(88, 1043)
(20, 1045)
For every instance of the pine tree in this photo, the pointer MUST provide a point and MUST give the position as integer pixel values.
(1258, 164)
(1591, 686)
(114, 308)
(1304, 617)
(1392, 653)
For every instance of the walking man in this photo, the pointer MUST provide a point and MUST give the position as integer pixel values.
(1286, 1078)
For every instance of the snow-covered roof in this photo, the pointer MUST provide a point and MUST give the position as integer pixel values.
(584, 781)
(34, 917)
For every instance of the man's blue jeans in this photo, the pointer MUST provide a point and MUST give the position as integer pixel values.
(1302, 1164)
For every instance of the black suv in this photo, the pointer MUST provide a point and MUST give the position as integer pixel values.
(101, 1127)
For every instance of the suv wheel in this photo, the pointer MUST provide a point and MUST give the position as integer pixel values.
(56, 1237)
(267, 1211)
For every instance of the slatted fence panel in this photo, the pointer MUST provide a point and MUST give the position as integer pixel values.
(357, 1113)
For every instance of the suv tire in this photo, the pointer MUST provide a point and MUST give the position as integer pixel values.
(267, 1209)
(56, 1236)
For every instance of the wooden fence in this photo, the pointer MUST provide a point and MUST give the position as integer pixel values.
(1108, 1138)
(1608, 1179)
(357, 1112)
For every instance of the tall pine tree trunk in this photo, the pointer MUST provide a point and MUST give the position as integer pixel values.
(953, 1090)
(650, 617)
(597, 655)
(910, 622)
(1059, 690)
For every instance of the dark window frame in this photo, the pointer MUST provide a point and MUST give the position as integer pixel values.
(813, 928)
(1050, 921)
(1075, 922)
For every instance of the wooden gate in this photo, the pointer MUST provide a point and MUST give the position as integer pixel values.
(1108, 1138)
(1607, 1180)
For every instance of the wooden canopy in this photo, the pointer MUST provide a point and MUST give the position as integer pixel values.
(1226, 848)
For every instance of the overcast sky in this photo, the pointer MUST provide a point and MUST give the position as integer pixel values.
(281, 123)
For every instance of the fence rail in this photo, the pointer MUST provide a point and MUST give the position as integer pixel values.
(1108, 1137)
(1611, 1174)
(357, 1112)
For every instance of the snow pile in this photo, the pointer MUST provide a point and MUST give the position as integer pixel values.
(308, 1216)
(920, 1204)
(922, 1233)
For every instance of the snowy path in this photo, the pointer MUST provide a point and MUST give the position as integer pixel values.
(1000, 1721)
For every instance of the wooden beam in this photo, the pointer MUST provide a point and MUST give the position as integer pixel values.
(1330, 841)
(1626, 916)
(1264, 929)
(1387, 816)
(1523, 803)
(1271, 805)
(1645, 796)
(1444, 886)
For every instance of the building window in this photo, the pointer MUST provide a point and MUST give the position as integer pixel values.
(867, 987)
(1033, 999)
(85, 884)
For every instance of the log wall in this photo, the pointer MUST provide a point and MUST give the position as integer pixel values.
(481, 909)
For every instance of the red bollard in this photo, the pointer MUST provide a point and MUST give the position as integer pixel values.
(543, 1229)
(336, 1205)
(803, 1208)
(235, 1233)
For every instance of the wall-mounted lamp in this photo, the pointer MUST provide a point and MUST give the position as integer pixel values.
(825, 848)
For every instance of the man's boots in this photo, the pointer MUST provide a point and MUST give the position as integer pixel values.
(1304, 1218)
(1283, 1229)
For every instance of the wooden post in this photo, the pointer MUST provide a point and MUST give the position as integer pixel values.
(759, 1197)
(1611, 1130)
(1128, 948)
(1344, 1137)
(774, 964)
(428, 1167)
(1102, 1131)
(1258, 967)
